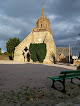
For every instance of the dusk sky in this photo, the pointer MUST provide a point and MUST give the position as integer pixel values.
(18, 17)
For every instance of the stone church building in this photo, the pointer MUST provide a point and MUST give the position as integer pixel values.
(41, 34)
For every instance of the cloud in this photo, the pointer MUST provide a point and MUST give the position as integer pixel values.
(18, 17)
(3, 45)
(8, 30)
(13, 21)
(11, 27)
(52, 17)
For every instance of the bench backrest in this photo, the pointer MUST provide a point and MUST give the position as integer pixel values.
(70, 74)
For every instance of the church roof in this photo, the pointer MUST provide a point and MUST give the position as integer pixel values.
(64, 50)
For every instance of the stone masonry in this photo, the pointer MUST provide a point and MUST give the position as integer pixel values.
(41, 34)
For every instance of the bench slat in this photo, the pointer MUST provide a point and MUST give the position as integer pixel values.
(66, 77)
(69, 75)
(58, 79)
(55, 78)
(67, 72)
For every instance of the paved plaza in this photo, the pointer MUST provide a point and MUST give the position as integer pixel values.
(14, 76)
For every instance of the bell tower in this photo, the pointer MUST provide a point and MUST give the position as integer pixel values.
(42, 24)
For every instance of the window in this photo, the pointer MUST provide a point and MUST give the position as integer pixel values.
(41, 25)
(25, 49)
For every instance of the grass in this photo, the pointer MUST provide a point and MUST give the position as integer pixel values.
(37, 96)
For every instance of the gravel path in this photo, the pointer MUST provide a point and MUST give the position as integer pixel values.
(14, 75)
(33, 75)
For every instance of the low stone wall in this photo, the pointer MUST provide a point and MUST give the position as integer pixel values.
(76, 62)
(4, 57)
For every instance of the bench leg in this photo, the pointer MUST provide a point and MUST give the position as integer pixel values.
(78, 78)
(63, 82)
(53, 84)
(71, 80)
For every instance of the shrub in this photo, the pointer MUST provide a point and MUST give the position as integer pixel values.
(79, 55)
(78, 68)
(38, 52)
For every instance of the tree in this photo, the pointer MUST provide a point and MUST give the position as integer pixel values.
(11, 44)
(0, 50)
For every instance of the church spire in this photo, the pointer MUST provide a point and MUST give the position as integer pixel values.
(43, 15)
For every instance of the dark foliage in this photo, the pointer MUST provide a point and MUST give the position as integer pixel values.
(79, 55)
(0, 50)
(38, 52)
(78, 68)
(11, 44)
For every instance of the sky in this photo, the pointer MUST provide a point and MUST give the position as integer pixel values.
(18, 17)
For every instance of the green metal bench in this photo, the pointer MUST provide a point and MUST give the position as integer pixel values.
(65, 75)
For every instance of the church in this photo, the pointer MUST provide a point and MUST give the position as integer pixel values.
(41, 34)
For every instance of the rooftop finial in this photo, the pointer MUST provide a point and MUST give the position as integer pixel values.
(43, 2)
(43, 10)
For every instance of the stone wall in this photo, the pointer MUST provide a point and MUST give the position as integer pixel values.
(18, 53)
(4, 57)
(76, 62)
(36, 37)
(64, 50)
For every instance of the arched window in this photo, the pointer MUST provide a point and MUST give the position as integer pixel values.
(41, 25)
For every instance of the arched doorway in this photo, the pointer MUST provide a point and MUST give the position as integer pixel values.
(28, 57)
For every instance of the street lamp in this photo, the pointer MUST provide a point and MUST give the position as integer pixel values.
(69, 53)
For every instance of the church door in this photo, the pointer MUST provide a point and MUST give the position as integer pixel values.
(28, 57)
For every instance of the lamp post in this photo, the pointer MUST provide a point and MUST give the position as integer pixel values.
(69, 53)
